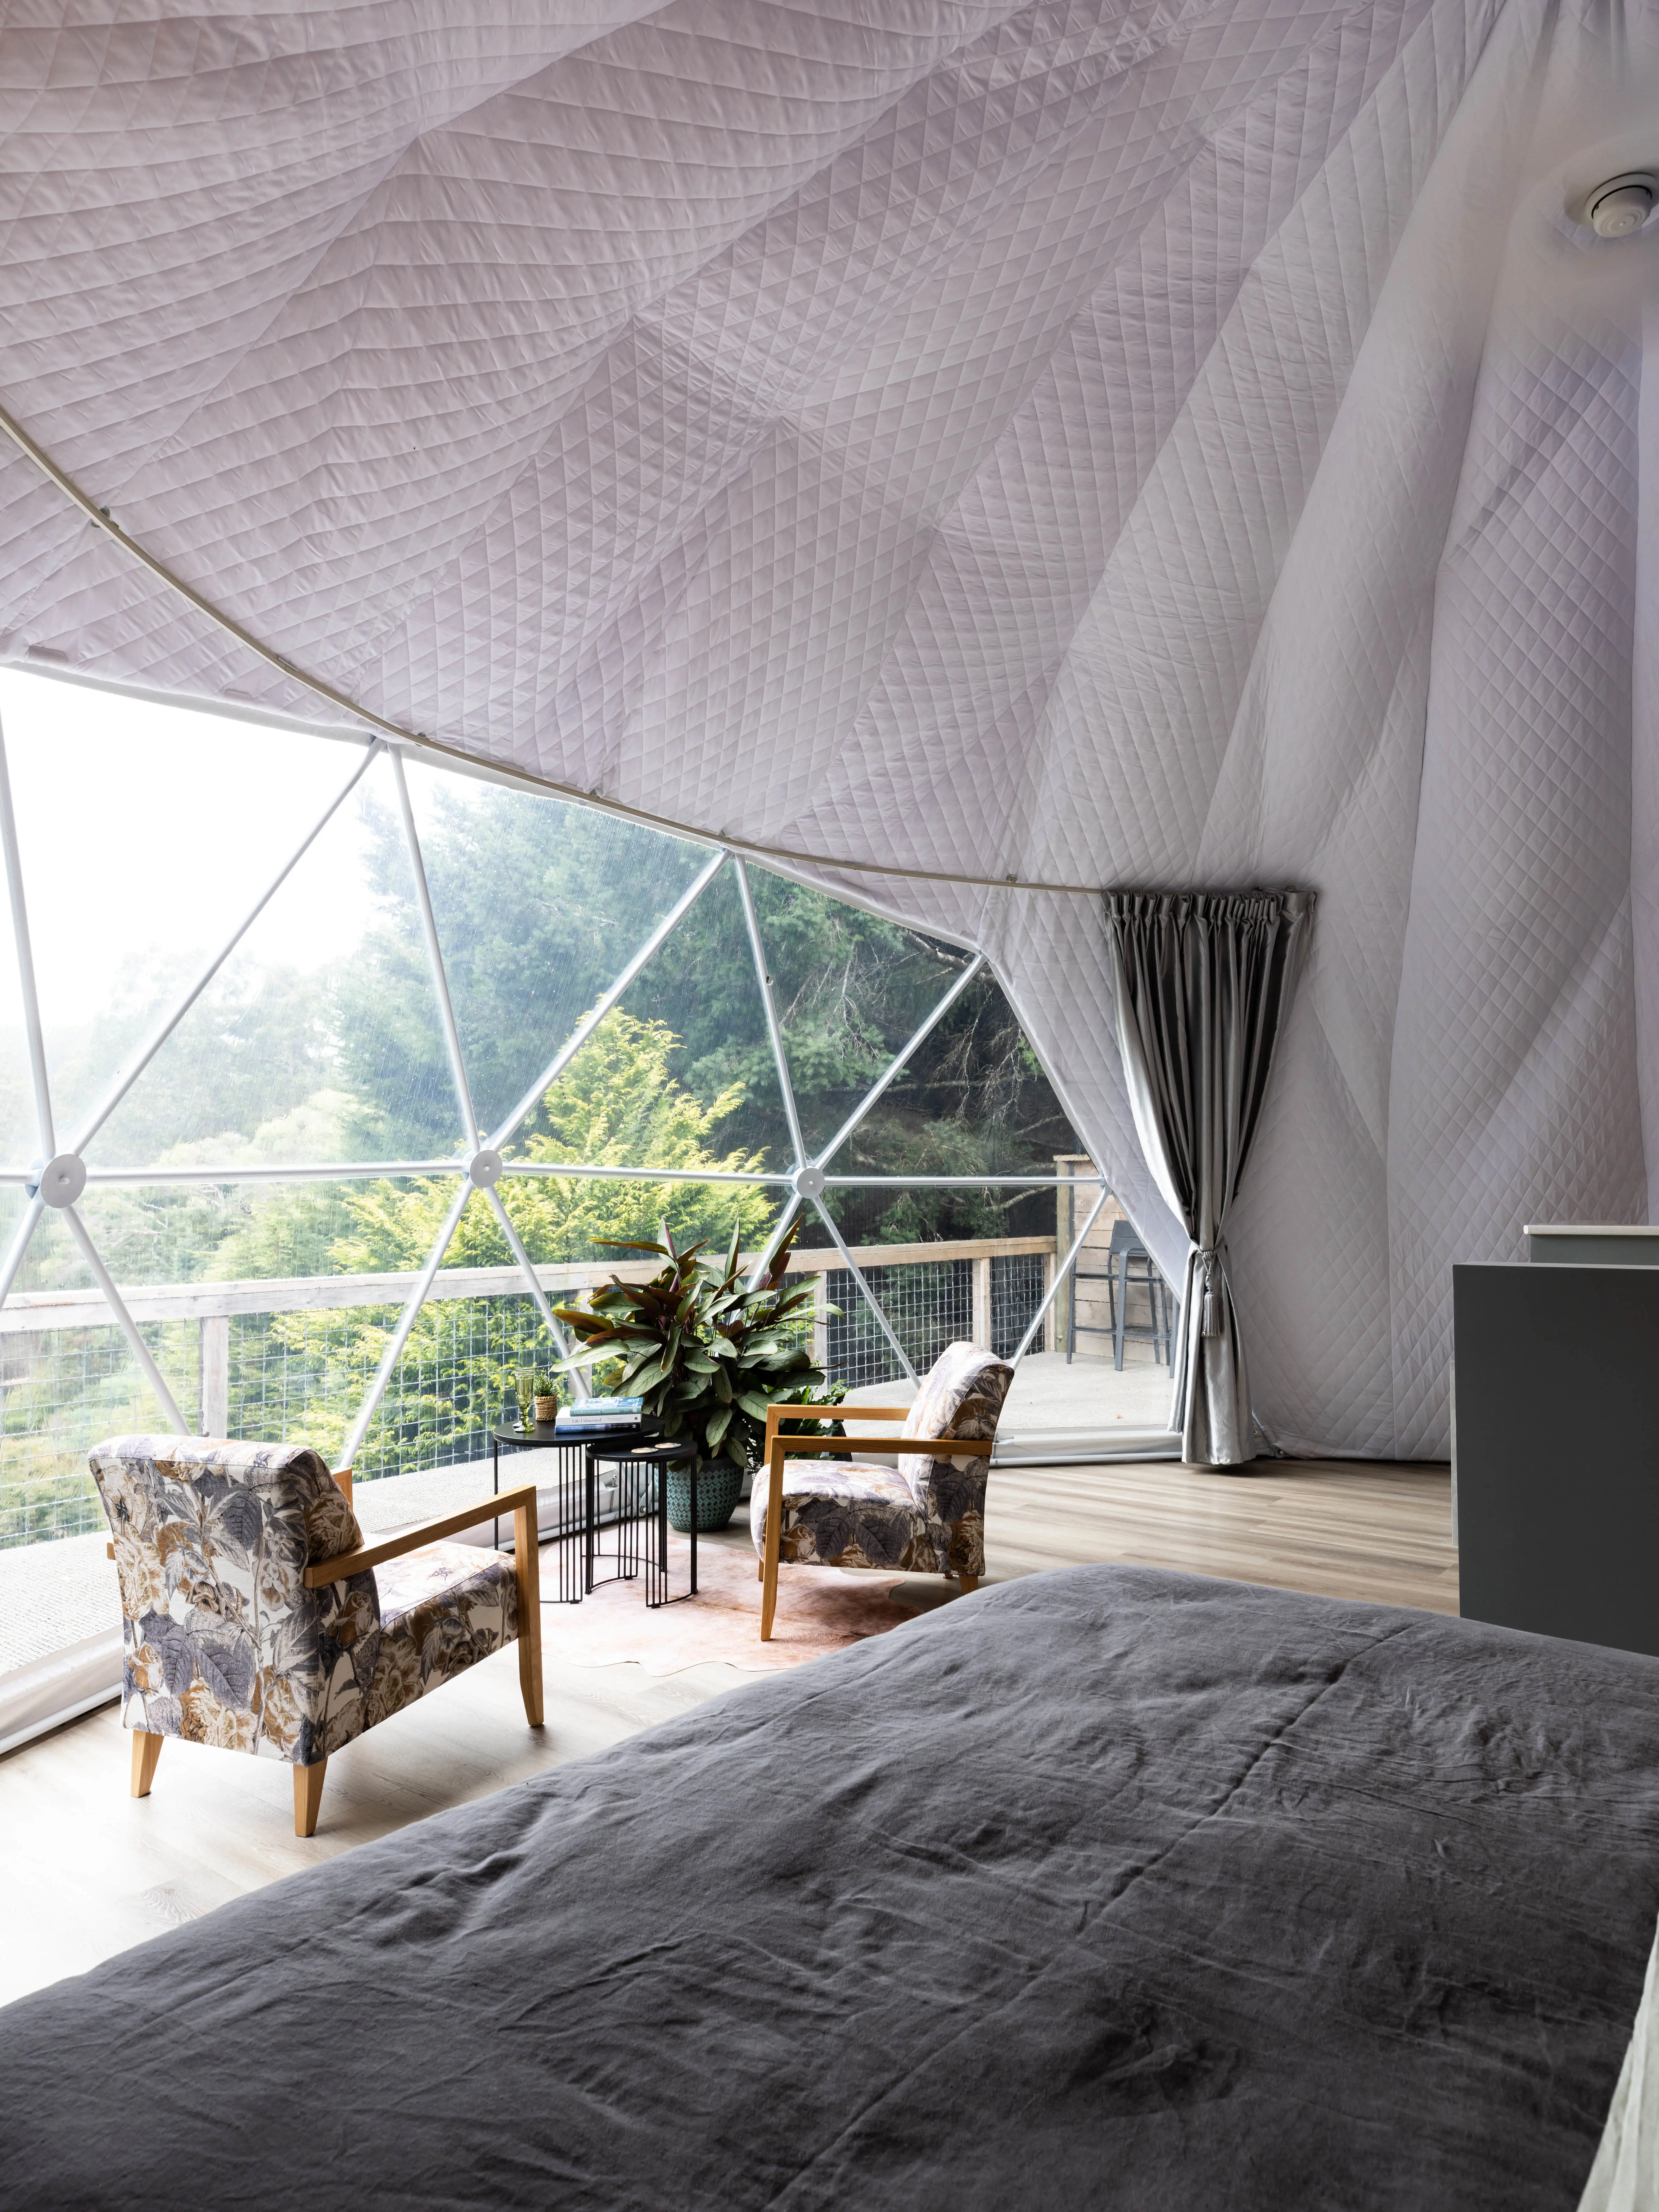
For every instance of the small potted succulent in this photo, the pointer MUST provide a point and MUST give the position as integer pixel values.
(708, 1352)
(539, 1401)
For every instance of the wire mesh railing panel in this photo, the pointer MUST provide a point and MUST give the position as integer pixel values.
(455, 1384)
(300, 1376)
(1016, 1294)
(293, 1378)
(928, 1306)
(64, 1391)
(798, 1332)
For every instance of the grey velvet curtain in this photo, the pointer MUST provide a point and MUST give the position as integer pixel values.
(1202, 982)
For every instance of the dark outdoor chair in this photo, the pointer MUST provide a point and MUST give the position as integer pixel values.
(1133, 1267)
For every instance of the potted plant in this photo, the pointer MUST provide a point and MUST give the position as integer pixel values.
(708, 1352)
(538, 1400)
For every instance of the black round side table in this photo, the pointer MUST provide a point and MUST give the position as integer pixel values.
(569, 1486)
(641, 1498)
(642, 1459)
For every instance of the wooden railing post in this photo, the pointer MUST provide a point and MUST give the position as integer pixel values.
(211, 1306)
(216, 1374)
(28, 1312)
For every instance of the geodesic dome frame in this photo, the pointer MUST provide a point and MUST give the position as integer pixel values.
(60, 1174)
(971, 456)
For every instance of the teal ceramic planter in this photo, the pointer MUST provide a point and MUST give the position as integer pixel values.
(719, 1485)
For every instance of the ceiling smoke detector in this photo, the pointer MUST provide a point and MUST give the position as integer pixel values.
(1622, 204)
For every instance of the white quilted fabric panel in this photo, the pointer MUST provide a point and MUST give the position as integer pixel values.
(1103, 442)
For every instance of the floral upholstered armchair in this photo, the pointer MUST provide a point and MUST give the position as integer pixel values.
(925, 1515)
(255, 1617)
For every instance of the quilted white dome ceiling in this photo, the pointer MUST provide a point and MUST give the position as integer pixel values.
(1088, 444)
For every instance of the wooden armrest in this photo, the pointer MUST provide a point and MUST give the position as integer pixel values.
(847, 1412)
(324, 1572)
(778, 1411)
(929, 1447)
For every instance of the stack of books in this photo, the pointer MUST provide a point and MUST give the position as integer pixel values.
(599, 1417)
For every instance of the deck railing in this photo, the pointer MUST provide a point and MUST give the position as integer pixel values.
(291, 1357)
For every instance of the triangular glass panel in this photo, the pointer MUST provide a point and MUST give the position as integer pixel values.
(972, 1100)
(540, 904)
(54, 1261)
(851, 990)
(927, 1304)
(268, 1307)
(318, 1039)
(71, 1377)
(14, 1197)
(582, 1220)
(679, 1077)
(237, 1234)
(477, 1331)
(302, 1365)
(146, 831)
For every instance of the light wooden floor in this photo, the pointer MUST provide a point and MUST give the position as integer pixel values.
(1345, 1528)
(86, 1870)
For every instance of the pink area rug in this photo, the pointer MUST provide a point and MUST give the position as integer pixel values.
(819, 1609)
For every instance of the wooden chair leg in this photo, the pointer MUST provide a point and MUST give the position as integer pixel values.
(774, 1531)
(308, 1796)
(146, 1750)
(527, 1567)
(969, 1584)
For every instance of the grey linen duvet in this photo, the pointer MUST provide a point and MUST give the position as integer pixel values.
(1108, 1888)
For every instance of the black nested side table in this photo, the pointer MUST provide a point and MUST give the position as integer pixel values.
(570, 1536)
(641, 1498)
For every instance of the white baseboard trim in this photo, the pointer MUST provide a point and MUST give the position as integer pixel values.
(1084, 1447)
(43, 1696)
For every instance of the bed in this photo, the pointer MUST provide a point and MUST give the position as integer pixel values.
(1107, 1888)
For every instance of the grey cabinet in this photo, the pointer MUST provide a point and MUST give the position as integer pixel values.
(1556, 1384)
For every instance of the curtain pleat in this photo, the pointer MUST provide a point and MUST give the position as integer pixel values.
(1201, 986)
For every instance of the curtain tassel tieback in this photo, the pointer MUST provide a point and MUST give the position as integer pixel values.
(1209, 1259)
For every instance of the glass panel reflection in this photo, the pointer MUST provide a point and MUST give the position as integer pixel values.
(319, 1039)
(540, 906)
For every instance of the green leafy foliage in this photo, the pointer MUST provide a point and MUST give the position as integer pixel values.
(539, 905)
(536, 899)
(707, 1352)
(617, 1105)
